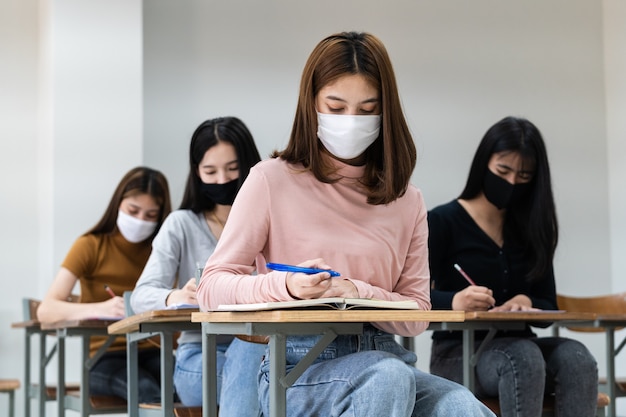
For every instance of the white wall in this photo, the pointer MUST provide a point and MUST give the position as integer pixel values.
(615, 87)
(18, 175)
(80, 105)
(71, 126)
(461, 66)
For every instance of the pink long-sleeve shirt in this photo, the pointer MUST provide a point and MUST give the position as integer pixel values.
(284, 214)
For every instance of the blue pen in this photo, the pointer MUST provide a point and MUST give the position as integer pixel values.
(293, 268)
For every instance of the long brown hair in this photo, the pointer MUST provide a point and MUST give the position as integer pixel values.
(139, 180)
(390, 160)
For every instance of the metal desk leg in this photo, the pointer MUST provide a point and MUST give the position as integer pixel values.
(167, 371)
(133, 376)
(610, 368)
(27, 358)
(209, 374)
(278, 363)
(61, 373)
(85, 405)
(11, 403)
(468, 352)
(42, 396)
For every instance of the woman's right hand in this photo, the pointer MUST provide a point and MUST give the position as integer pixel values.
(185, 295)
(307, 286)
(113, 307)
(473, 298)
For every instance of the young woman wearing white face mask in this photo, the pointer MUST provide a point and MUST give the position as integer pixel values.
(338, 196)
(112, 255)
(221, 153)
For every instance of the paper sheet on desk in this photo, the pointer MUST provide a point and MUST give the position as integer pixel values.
(181, 306)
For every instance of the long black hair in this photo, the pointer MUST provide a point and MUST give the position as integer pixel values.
(208, 134)
(533, 221)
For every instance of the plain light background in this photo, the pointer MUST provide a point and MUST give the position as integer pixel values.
(91, 88)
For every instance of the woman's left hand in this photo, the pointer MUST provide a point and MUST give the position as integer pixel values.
(518, 303)
(341, 287)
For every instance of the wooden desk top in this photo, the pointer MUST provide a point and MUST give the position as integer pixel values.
(79, 324)
(618, 318)
(26, 324)
(327, 316)
(528, 316)
(132, 323)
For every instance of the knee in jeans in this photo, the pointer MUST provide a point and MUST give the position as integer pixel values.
(572, 354)
(518, 356)
(391, 371)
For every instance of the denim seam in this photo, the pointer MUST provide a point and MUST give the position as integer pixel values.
(514, 369)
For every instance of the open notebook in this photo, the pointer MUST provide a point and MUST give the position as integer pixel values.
(337, 303)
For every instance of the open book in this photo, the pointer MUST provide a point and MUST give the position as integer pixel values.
(337, 303)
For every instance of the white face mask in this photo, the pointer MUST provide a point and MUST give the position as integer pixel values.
(133, 229)
(347, 136)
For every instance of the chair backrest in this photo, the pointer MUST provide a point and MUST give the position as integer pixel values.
(29, 308)
(127, 306)
(601, 304)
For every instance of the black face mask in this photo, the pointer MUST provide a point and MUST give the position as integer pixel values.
(223, 194)
(502, 193)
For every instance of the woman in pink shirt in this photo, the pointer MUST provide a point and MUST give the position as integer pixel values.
(338, 196)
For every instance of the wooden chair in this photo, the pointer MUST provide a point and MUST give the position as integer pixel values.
(548, 405)
(611, 316)
(9, 386)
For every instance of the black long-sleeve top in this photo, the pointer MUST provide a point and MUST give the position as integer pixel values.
(454, 237)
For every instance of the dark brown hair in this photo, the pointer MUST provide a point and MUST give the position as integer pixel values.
(390, 160)
(139, 180)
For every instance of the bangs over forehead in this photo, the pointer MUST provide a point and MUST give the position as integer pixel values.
(527, 157)
(344, 55)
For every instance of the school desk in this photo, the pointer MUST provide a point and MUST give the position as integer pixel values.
(278, 324)
(82, 403)
(166, 324)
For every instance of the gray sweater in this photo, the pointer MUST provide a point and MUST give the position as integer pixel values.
(183, 241)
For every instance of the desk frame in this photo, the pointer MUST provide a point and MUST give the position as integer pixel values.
(32, 328)
(162, 323)
(278, 324)
(83, 329)
(496, 321)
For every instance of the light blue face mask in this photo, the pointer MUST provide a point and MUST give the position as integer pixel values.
(347, 136)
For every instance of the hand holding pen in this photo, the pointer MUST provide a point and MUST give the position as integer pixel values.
(109, 290)
(294, 268)
(473, 297)
(114, 307)
(314, 279)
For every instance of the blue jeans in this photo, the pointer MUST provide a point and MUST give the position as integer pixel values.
(109, 375)
(188, 372)
(240, 387)
(367, 375)
(520, 371)
(237, 369)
